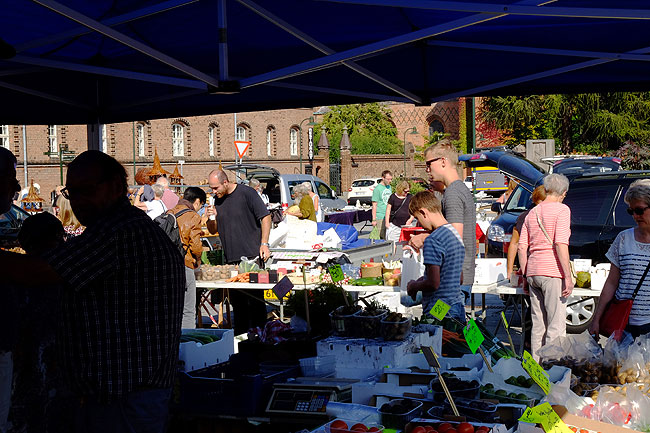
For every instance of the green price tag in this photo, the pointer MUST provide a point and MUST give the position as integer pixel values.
(439, 310)
(473, 336)
(531, 416)
(550, 420)
(505, 322)
(336, 273)
(536, 372)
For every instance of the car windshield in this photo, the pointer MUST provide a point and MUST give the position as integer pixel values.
(519, 200)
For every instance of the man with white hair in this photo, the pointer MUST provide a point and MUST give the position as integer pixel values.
(169, 198)
(257, 186)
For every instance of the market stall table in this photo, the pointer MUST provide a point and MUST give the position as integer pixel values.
(349, 217)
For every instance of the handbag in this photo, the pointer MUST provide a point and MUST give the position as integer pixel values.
(617, 312)
(574, 276)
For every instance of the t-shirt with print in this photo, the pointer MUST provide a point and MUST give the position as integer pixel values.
(399, 209)
(239, 216)
(631, 257)
(380, 195)
(444, 248)
(458, 208)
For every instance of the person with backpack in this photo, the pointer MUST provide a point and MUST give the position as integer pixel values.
(189, 230)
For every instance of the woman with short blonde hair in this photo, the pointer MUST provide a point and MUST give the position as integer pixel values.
(71, 224)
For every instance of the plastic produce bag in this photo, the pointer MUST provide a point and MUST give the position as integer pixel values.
(248, 265)
(412, 269)
(579, 347)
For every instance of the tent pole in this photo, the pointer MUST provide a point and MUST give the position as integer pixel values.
(25, 153)
(223, 40)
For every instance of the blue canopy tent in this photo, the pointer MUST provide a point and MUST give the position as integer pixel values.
(107, 61)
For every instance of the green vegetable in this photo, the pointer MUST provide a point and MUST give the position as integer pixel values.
(375, 281)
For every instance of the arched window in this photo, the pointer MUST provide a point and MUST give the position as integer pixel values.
(178, 139)
(243, 133)
(270, 141)
(52, 141)
(211, 140)
(293, 141)
(436, 128)
(140, 137)
(240, 135)
(4, 136)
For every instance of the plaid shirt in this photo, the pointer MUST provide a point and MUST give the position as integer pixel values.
(122, 307)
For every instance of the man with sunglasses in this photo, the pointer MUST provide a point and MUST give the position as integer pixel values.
(122, 302)
(457, 204)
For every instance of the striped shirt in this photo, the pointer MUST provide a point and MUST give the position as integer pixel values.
(631, 257)
(444, 247)
(542, 257)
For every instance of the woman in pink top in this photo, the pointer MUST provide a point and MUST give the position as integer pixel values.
(544, 258)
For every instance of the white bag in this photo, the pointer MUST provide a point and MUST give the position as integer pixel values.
(301, 234)
(412, 267)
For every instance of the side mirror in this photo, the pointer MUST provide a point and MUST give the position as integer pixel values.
(496, 207)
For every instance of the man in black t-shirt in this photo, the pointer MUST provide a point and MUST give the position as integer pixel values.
(244, 224)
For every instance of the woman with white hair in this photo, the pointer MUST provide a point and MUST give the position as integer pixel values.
(316, 200)
(544, 259)
(305, 204)
(630, 257)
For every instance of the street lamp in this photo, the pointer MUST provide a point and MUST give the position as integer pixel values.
(411, 131)
(311, 123)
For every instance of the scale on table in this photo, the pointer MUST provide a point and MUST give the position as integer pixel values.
(308, 395)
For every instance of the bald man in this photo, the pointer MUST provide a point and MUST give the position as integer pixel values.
(244, 224)
(122, 303)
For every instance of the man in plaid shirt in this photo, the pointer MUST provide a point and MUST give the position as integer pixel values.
(122, 305)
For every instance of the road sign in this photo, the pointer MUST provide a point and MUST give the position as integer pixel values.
(242, 147)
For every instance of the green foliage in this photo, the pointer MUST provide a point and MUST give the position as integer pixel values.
(414, 186)
(634, 156)
(324, 298)
(370, 129)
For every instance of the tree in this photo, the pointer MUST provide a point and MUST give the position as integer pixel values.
(590, 123)
(370, 128)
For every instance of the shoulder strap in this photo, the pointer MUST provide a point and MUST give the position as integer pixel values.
(181, 212)
(638, 286)
(541, 226)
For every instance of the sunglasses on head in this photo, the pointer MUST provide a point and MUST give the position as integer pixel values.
(637, 210)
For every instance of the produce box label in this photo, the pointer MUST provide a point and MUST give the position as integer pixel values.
(536, 372)
(336, 273)
(439, 310)
(270, 296)
(473, 336)
(283, 287)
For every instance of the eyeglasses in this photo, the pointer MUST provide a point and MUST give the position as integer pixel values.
(637, 210)
(431, 161)
(84, 191)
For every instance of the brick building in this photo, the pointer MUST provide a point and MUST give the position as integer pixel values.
(200, 142)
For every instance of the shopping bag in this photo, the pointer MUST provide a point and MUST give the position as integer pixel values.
(375, 233)
(412, 269)
(615, 316)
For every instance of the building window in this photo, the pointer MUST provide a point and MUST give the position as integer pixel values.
(293, 141)
(436, 128)
(4, 136)
(140, 136)
(243, 133)
(240, 134)
(104, 140)
(51, 138)
(178, 140)
(211, 140)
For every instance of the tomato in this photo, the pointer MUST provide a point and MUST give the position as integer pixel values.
(338, 426)
(419, 429)
(483, 429)
(465, 427)
(451, 430)
(429, 429)
(443, 427)
(574, 429)
(373, 429)
(359, 427)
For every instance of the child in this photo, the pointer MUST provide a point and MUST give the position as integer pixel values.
(443, 254)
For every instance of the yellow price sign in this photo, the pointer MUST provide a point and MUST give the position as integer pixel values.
(473, 336)
(536, 372)
(269, 295)
(439, 310)
(545, 415)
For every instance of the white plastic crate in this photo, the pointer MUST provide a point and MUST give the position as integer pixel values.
(490, 271)
(194, 356)
(317, 366)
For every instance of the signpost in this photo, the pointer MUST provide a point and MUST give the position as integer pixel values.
(64, 155)
(310, 146)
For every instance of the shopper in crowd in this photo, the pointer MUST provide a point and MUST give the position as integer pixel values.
(169, 197)
(155, 207)
(305, 204)
(458, 208)
(243, 224)
(316, 200)
(9, 186)
(122, 301)
(189, 228)
(629, 256)
(71, 224)
(397, 211)
(538, 196)
(503, 198)
(380, 196)
(257, 186)
(544, 260)
(443, 253)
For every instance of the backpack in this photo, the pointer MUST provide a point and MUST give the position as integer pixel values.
(167, 222)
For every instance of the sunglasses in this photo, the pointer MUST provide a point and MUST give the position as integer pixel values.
(431, 161)
(637, 210)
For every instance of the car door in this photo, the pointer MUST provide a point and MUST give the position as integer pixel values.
(327, 197)
(618, 221)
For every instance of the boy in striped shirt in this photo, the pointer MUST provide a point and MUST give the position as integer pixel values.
(443, 254)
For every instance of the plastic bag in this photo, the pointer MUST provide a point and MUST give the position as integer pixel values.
(248, 265)
(375, 233)
(412, 269)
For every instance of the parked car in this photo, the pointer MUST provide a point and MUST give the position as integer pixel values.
(279, 187)
(10, 224)
(361, 190)
(597, 216)
(580, 164)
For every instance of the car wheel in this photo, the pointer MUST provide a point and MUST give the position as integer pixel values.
(579, 312)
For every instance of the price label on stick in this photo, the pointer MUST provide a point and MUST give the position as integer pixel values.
(536, 372)
(473, 336)
(283, 287)
(439, 310)
(336, 273)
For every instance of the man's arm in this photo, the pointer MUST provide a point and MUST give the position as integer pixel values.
(137, 202)
(13, 267)
(374, 213)
(212, 222)
(428, 284)
(265, 252)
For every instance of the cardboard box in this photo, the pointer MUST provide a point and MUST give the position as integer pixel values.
(193, 356)
(373, 271)
(490, 271)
